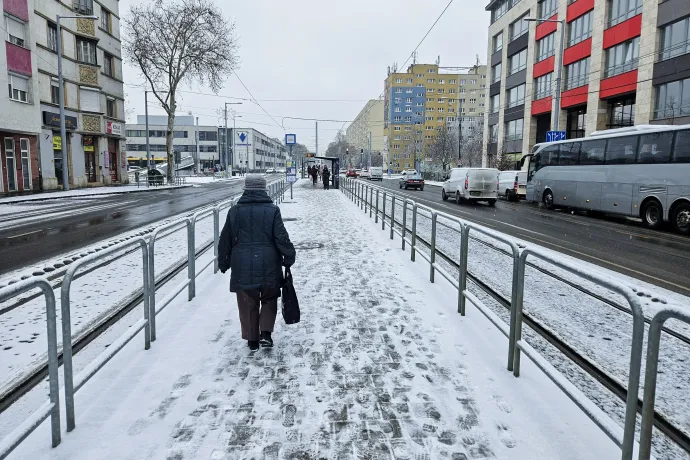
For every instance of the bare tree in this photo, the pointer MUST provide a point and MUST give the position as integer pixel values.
(181, 42)
(341, 149)
(471, 147)
(443, 150)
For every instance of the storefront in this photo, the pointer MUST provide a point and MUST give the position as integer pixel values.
(112, 151)
(19, 171)
(52, 144)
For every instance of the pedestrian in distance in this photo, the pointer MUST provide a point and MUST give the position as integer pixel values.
(255, 246)
(326, 174)
(314, 174)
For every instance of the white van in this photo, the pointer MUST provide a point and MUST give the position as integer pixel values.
(376, 173)
(473, 184)
(508, 185)
(522, 185)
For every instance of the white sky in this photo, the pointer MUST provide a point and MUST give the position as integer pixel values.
(324, 59)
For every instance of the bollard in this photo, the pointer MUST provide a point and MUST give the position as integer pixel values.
(376, 219)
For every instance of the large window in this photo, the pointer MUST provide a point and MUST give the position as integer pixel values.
(110, 107)
(495, 103)
(86, 51)
(569, 154)
(498, 42)
(493, 136)
(577, 74)
(622, 58)
(52, 37)
(675, 39)
(543, 87)
(108, 65)
(19, 88)
(517, 62)
(519, 27)
(655, 148)
(681, 149)
(673, 99)
(15, 31)
(89, 99)
(496, 72)
(622, 10)
(83, 6)
(621, 113)
(593, 152)
(514, 130)
(499, 11)
(105, 20)
(547, 8)
(580, 29)
(516, 96)
(577, 120)
(546, 47)
(622, 150)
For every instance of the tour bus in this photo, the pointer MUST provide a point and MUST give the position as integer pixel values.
(640, 171)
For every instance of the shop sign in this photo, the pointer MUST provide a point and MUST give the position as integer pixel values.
(113, 128)
(53, 119)
(88, 144)
(57, 142)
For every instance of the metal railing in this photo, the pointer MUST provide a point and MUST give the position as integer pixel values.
(72, 384)
(363, 195)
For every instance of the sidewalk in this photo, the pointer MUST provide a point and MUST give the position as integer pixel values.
(380, 367)
(88, 191)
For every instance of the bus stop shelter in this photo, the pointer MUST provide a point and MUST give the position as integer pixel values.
(335, 168)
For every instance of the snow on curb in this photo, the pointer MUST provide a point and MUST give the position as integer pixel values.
(87, 193)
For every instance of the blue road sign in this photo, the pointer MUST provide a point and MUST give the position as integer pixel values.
(290, 139)
(553, 136)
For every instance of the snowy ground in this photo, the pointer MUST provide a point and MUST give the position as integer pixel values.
(379, 367)
(115, 189)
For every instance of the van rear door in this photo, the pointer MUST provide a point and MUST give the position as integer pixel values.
(482, 183)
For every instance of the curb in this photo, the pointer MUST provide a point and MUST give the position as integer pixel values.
(96, 194)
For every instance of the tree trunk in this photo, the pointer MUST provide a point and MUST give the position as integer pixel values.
(169, 139)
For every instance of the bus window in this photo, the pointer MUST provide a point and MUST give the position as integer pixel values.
(533, 166)
(681, 150)
(655, 148)
(549, 155)
(592, 152)
(569, 154)
(622, 150)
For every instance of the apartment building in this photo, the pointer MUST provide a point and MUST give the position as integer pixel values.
(20, 124)
(368, 125)
(472, 103)
(624, 62)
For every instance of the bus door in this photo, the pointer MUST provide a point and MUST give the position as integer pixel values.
(528, 164)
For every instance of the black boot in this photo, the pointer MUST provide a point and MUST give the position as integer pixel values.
(265, 339)
(253, 345)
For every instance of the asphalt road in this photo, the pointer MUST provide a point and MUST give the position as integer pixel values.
(40, 230)
(623, 245)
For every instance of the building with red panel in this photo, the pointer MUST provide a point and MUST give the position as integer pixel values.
(624, 62)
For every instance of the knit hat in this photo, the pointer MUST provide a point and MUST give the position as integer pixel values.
(254, 182)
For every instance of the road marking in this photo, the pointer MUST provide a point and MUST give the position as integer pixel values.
(24, 234)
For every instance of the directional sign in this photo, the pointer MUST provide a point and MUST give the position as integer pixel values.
(243, 136)
(553, 136)
(290, 139)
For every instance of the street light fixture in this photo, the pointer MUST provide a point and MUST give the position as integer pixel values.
(61, 93)
(560, 65)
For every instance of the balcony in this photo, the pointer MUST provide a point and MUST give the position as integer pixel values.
(675, 50)
(624, 17)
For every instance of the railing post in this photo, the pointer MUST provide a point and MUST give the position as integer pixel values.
(383, 215)
(376, 219)
(517, 336)
(462, 281)
(191, 258)
(146, 294)
(513, 306)
(152, 286)
(371, 201)
(216, 237)
(392, 215)
(652, 364)
(404, 222)
(432, 271)
(414, 232)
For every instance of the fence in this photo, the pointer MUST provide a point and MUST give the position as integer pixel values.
(367, 197)
(147, 323)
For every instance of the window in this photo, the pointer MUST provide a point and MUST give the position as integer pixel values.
(622, 150)
(498, 42)
(495, 103)
(409, 81)
(441, 82)
(420, 75)
(420, 104)
(110, 107)
(83, 6)
(681, 150)
(499, 11)
(408, 90)
(575, 125)
(396, 138)
(397, 128)
(675, 39)
(548, 156)
(408, 109)
(450, 119)
(105, 20)
(516, 96)
(430, 90)
(621, 112)
(673, 99)
(420, 85)
(407, 128)
(398, 80)
(397, 100)
(54, 91)
(517, 62)
(441, 91)
(86, 51)
(429, 109)
(431, 71)
(15, 31)
(10, 164)
(440, 109)
(429, 128)
(472, 109)
(543, 86)
(546, 47)
(580, 29)
(452, 101)
(592, 152)
(547, 8)
(397, 109)
(439, 118)
(462, 101)
(473, 82)
(577, 74)
(18, 88)
(430, 80)
(26, 163)
(514, 130)
(408, 118)
(452, 82)
(622, 10)
(451, 91)
(655, 148)
(89, 99)
(462, 82)
(408, 100)
(569, 154)
(52, 37)
(493, 134)
(496, 72)
(519, 27)
(431, 99)
(622, 58)
(473, 101)
(108, 65)
(429, 119)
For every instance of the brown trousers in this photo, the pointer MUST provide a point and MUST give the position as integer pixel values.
(252, 319)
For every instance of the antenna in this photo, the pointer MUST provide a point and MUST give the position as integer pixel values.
(438, 60)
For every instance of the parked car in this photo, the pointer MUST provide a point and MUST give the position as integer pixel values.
(364, 174)
(508, 185)
(376, 173)
(472, 184)
(409, 171)
(351, 173)
(412, 181)
(270, 171)
(522, 185)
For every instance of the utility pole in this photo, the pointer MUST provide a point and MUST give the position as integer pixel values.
(370, 152)
(317, 138)
(225, 132)
(148, 143)
(196, 160)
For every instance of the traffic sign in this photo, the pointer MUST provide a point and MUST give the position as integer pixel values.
(290, 139)
(553, 136)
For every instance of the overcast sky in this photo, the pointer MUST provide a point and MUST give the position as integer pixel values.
(324, 59)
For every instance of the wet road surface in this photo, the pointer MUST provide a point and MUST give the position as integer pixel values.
(622, 245)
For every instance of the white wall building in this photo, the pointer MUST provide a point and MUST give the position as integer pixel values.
(255, 151)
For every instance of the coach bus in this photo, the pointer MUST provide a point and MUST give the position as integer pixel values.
(640, 171)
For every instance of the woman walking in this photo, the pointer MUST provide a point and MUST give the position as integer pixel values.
(255, 246)
(326, 176)
(313, 175)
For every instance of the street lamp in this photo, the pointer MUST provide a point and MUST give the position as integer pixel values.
(61, 93)
(560, 65)
(225, 160)
(234, 157)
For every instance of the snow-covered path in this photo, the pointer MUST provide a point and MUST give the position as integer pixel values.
(381, 366)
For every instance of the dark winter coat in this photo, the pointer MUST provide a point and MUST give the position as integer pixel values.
(254, 243)
(325, 174)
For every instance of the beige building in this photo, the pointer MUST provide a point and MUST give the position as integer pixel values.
(369, 122)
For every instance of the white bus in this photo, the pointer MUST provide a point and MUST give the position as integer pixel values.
(641, 171)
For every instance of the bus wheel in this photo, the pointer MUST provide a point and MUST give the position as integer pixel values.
(652, 214)
(681, 218)
(548, 199)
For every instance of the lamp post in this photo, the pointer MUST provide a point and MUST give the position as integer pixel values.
(234, 157)
(61, 93)
(560, 65)
(225, 160)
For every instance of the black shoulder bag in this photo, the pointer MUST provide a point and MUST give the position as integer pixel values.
(289, 297)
